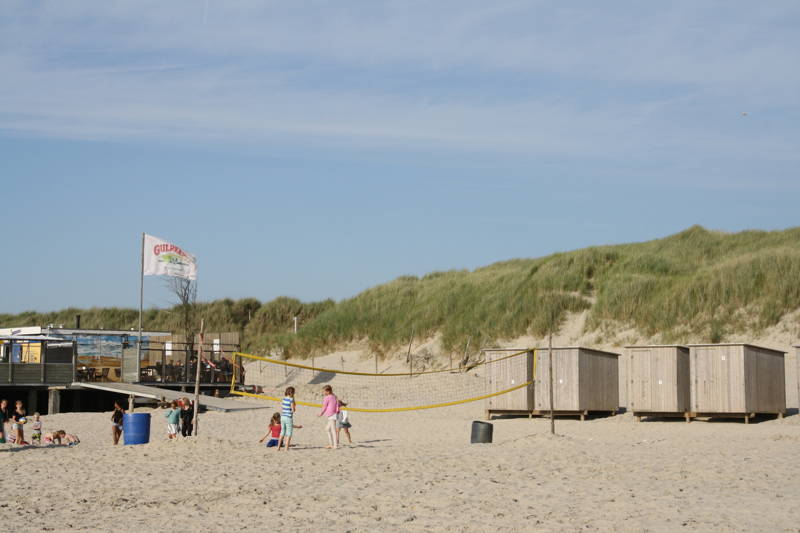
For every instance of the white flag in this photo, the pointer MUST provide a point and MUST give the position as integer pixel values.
(162, 258)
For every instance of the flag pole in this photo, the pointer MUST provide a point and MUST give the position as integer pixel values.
(197, 379)
(141, 310)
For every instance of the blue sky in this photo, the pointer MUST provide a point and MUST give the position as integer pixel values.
(315, 149)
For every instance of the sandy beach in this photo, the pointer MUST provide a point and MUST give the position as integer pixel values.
(411, 472)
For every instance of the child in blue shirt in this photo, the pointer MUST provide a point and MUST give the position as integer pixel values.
(173, 416)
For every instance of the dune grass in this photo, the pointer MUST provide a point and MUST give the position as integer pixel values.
(692, 286)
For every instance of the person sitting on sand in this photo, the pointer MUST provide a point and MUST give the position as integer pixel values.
(36, 430)
(330, 408)
(288, 408)
(61, 437)
(343, 422)
(273, 431)
(54, 437)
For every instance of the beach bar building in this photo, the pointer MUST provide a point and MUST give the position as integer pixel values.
(659, 380)
(737, 380)
(584, 381)
(62, 367)
(505, 370)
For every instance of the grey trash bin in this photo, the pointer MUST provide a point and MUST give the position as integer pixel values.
(481, 432)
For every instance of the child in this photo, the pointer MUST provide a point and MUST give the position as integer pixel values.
(288, 408)
(36, 430)
(72, 440)
(173, 415)
(330, 408)
(18, 417)
(343, 423)
(55, 437)
(275, 430)
(187, 418)
(116, 422)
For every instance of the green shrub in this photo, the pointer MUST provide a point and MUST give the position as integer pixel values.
(697, 284)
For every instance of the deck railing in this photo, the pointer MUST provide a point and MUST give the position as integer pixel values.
(32, 373)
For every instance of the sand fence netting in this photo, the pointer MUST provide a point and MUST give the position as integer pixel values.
(267, 378)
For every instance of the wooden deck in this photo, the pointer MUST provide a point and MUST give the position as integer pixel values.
(544, 413)
(156, 393)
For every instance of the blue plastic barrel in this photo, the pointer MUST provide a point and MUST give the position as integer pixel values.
(136, 428)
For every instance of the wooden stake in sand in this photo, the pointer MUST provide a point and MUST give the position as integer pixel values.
(197, 379)
(408, 355)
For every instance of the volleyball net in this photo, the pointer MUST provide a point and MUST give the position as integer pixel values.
(267, 378)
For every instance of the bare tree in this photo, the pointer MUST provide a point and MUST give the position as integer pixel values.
(185, 293)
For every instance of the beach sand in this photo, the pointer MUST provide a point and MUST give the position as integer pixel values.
(413, 471)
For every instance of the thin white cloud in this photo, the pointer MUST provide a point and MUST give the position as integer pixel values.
(153, 70)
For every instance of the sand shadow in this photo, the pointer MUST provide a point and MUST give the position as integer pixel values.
(662, 419)
(322, 377)
(30, 447)
(357, 444)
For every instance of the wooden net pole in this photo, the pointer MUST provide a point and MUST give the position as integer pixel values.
(197, 379)
(550, 372)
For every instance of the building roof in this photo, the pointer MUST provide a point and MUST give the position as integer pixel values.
(128, 332)
(36, 330)
(735, 344)
(30, 338)
(658, 346)
(540, 348)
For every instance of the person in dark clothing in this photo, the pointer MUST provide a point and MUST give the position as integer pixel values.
(187, 416)
(116, 421)
(5, 416)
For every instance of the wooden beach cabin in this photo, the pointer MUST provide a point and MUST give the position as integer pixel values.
(584, 381)
(736, 380)
(504, 370)
(658, 379)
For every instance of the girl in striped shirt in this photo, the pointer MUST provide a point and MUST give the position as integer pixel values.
(288, 408)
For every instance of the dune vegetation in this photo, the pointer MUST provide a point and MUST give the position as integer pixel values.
(695, 285)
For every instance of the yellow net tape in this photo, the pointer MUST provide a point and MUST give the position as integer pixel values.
(371, 392)
(383, 375)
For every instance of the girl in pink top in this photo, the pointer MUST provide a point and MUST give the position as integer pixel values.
(330, 408)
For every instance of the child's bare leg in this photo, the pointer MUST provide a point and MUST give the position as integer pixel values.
(288, 443)
(347, 432)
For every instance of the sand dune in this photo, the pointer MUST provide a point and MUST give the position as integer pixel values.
(411, 472)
